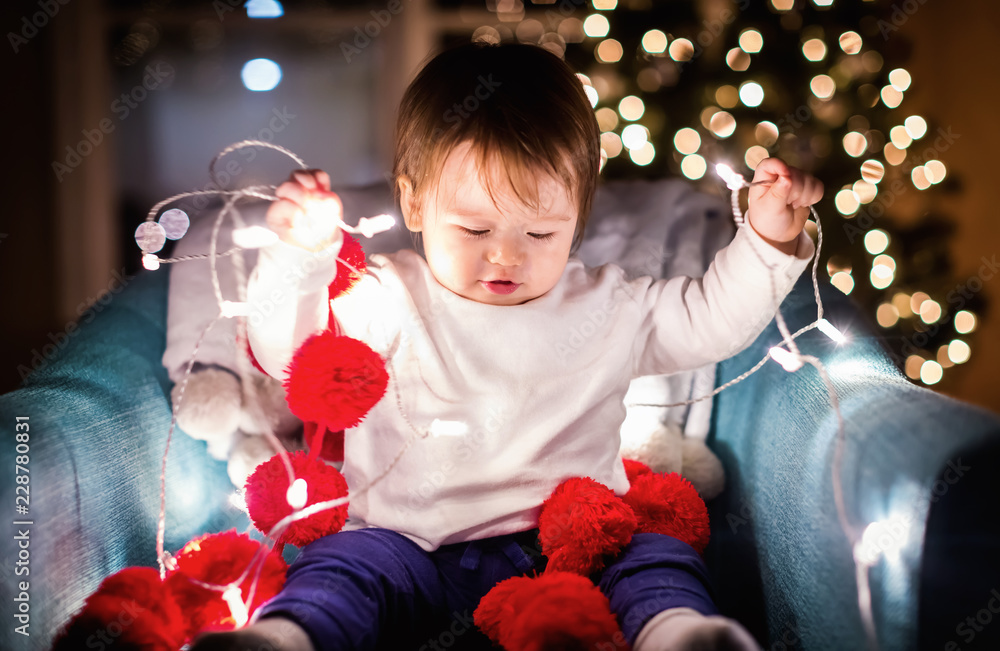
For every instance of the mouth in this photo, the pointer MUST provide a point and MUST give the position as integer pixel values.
(502, 287)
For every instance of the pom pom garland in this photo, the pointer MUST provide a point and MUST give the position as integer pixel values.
(222, 559)
(669, 504)
(267, 489)
(131, 606)
(558, 610)
(334, 381)
(582, 522)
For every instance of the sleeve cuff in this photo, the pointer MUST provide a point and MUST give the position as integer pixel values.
(754, 249)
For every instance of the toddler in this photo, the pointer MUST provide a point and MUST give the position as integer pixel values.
(497, 158)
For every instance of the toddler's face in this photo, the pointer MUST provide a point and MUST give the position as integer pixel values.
(471, 244)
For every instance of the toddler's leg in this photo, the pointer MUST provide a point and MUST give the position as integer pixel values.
(355, 590)
(661, 592)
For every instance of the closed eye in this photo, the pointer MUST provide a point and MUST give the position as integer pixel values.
(471, 234)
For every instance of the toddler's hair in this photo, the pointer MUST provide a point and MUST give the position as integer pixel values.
(519, 105)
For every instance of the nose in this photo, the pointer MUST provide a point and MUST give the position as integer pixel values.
(506, 251)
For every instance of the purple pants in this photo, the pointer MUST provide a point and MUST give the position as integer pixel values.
(374, 589)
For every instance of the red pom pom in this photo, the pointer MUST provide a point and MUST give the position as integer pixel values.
(133, 608)
(581, 522)
(220, 558)
(352, 253)
(668, 503)
(558, 610)
(266, 491)
(335, 381)
(635, 469)
(332, 448)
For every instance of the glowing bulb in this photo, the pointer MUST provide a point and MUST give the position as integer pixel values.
(261, 74)
(831, 331)
(234, 599)
(634, 136)
(264, 9)
(318, 222)
(297, 494)
(448, 428)
(150, 261)
(232, 309)
(370, 226)
(885, 537)
(789, 361)
(733, 180)
(254, 237)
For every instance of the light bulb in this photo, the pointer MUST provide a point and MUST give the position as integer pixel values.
(788, 361)
(234, 599)
(150, 261)
(831, 331)
(232, 309)
(254, 237)
(369, 226)
(297, 494)
(733, 180)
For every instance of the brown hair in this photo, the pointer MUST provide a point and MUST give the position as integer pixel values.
(514, 102)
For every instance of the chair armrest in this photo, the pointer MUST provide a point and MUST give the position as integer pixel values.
(99, 415)
(777, 542)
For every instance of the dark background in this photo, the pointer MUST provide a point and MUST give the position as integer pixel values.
(63, 242)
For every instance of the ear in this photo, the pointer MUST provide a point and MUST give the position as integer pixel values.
(408, 204)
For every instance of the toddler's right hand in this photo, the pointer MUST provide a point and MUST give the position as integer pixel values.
(304, 213)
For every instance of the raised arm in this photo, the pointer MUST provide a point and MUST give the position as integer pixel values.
(689, 322)
(287, 291)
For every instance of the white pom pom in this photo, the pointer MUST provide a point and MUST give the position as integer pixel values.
(660, 450)
(210, 409)
(702, 468)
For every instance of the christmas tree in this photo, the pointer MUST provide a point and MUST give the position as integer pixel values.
(679, 86)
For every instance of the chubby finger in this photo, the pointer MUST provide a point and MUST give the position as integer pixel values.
(305, 178)
(770, 169)
(292, 191)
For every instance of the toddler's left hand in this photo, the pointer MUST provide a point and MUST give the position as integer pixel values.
(779, 211)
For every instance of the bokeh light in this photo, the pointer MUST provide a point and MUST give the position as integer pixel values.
(965, 322)
(261, 75)
(681, 49)
(654, 41)
(751, 41)
(814, 49)
(609, 51)
(596, 25)
(693, 166)
(751, 93)
(631, 108)
(687, 141)
(876, 241)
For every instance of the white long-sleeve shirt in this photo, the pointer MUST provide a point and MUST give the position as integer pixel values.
(490, 407)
